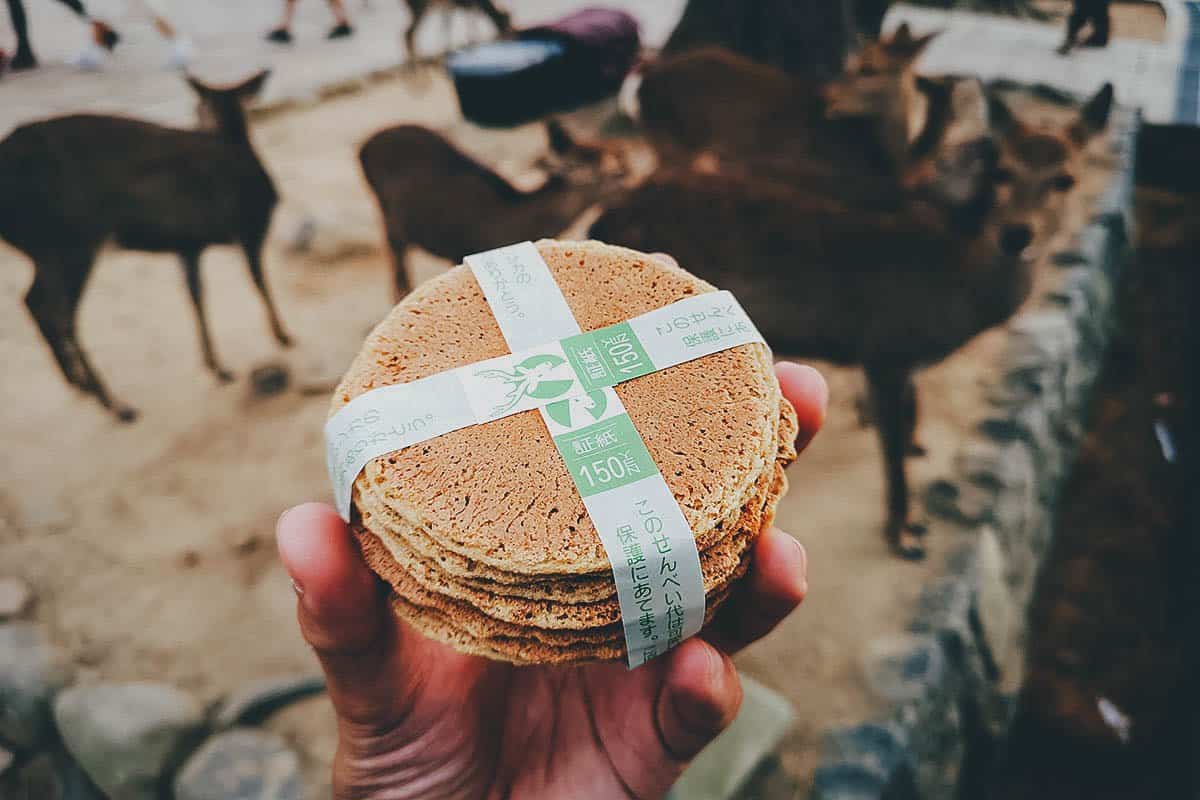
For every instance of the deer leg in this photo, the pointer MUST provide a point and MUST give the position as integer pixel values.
(191, 271)
(913, 448)
(400, 283)
(47, 305)
(75, 268)
(888, 384)
(254, 259)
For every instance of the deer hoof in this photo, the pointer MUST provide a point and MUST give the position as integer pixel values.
(284, 340)
(223, 375)
(916, 450)
(910, 552)
(125, 413)
(917, 528)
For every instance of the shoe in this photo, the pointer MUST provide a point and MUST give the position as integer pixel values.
(1063, 49)
(280, 36)
(105, 36)
(180, 54)
(341, 31)
(1094, 41)
(22, 59)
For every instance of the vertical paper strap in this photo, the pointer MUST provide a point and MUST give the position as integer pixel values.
(656, 567)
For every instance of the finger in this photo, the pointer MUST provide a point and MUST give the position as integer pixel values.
(700, 696)
(806, 390)
(343, 613)
(774, 587)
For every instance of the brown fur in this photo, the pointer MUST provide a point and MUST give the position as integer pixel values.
(71, 183)
(889, 291)
(717, 104)
(435, 196)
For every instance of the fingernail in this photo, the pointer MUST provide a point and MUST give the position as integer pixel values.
(803, 567)
(297, 588)
(282, 517)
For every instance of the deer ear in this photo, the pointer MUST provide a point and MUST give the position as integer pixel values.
(903, 34)
(919, 45)
(1093, 117)
(252, 85)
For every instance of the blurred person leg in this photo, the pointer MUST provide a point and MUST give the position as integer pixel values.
(179, 46)
(1080, 11)
(341, 26)
(102, 33)
(23, 58)
(282, 33)
(1101, 19)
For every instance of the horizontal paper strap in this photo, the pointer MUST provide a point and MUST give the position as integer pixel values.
(392, 418)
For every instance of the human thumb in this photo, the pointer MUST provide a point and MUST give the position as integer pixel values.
(342, 611)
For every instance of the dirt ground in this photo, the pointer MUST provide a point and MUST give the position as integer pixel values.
(150, 545)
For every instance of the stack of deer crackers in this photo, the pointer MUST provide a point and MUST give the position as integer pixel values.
(481, 532)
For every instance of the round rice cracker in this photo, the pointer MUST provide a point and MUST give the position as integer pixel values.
(500, 493)
(583, 589)
(523, 650)
(719, 564)
(394, 530)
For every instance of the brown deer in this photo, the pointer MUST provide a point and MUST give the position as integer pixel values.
(713, 103)
(419, 8)
(435, 196)
(72, 183)
(889, 291)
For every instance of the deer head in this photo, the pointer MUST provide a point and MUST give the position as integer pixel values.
(576, 161)
(223, 108)
(881, 82)
(890, 55)
(1038, 166)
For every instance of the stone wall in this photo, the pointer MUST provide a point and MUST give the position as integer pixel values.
(951, 679)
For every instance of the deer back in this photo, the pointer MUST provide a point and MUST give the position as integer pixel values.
(86, 177)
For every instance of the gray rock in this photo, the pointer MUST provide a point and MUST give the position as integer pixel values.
(127, 736)
(855, 782)
(880, 749)
(253, 703)
(903, 667)
(16, 597)
(32, 671)
(241, 764)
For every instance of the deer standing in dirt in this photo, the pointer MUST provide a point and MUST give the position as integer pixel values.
(72, 183)
(435, 196)
(891, 292)
(419, 8)
(715, 105)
